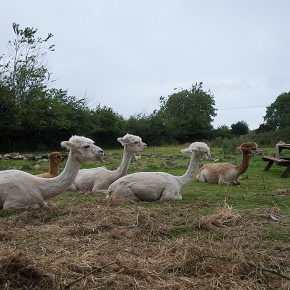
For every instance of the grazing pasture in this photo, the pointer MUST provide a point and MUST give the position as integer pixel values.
(217, 237)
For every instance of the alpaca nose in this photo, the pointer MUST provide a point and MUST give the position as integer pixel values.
(100, 154)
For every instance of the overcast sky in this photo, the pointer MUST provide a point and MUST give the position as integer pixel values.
(125, 54)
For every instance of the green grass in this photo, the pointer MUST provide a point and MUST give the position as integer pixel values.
(258, 189)
(70, 197)
(276, 234)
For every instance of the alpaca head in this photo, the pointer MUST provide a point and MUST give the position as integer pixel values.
(250, 147)
(83, 149)
(55, 157)
(132, 143)
(200, 149)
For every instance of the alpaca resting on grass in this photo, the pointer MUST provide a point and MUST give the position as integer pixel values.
(55, 159)
(162, 186)
(19, 189)
(227, 173)
(95, 179)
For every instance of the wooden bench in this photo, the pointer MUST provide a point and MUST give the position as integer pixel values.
(279, 162)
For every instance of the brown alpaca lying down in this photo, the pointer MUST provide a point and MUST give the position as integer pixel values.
(227, 173)
(55, 159)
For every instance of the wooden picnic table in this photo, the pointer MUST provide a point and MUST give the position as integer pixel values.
(279, 161)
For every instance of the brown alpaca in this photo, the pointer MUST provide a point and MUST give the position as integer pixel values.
(55, 159)
(227, 173)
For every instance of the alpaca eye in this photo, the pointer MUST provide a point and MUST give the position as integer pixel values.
(87, 146)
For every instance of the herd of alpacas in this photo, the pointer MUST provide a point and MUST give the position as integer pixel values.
(19, 189)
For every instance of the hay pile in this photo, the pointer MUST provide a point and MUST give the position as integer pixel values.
(111, 246)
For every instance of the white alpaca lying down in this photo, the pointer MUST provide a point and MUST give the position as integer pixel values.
(151, 186)
(99, 178)
(227, 173)
(19, 189)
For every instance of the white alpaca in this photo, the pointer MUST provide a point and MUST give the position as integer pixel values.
(100, 178)
(227, 173)
(151, 186)
(19, 189)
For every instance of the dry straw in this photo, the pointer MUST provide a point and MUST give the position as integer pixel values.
(113, 246)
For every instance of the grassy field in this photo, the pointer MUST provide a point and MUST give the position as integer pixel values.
(217, 237)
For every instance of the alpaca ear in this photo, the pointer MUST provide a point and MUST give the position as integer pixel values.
(67, 144)
(122, 141)
(187, 150)
(190, 150)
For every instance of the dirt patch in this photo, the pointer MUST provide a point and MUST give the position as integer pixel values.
(113, 246)
(17, 272)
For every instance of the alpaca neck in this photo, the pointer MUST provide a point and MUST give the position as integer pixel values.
(122, 169)
(245, 163)
(191, 171)
(53, 168)
(59, 184)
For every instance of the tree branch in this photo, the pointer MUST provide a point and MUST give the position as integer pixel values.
(82, 277)
(263, 269)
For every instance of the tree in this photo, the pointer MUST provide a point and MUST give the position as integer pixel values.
(24, 70)
(138, 125)
(240, 128)
(263, 128)
(189, 113)
(24, 78)
(278, 113)
(31, 113)
(152, 128)
(108, 125)
(223, 132)
(8, 112)
(63, 116)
